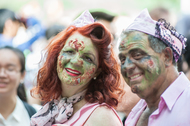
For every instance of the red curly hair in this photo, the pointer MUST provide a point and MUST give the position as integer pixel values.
(104, 89)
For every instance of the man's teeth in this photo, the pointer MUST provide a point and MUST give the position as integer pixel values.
(72, 71)
(133, 77)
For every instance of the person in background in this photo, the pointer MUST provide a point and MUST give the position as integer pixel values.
(149, 51)
(160, 12)
(79, 81)
(9, 26)
(186, 58)
(13, 111)
(183, 26)
(53, 30)
(33, 59)
(105, 18)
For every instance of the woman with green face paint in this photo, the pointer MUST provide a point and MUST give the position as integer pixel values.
(79, 80)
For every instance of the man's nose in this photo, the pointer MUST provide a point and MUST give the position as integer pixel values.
(128, 66)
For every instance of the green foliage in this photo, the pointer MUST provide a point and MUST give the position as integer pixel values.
(14, 5)
(173, 5)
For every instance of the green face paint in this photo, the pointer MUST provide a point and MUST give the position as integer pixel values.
(77, 61)
(141, 67)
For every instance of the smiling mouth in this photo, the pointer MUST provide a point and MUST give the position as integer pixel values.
(2, 84)
(135, 77)
(72, 72)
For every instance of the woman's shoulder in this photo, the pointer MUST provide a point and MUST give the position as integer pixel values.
(103, 114)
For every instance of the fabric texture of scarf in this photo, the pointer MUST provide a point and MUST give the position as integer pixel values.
(56, 111)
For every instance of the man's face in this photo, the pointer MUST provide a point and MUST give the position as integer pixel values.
(141, 67)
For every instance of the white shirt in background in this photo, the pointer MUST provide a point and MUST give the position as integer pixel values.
(19, 117)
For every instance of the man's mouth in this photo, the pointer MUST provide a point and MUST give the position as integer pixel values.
(135, 77)
(72, 72)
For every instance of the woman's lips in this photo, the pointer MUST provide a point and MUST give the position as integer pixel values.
(2, 84)
(72, 72)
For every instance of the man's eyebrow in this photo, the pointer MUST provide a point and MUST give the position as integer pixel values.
(136, 50)
(133, 50)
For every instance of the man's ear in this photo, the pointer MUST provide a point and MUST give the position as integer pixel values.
(98, 71)
(168, 56)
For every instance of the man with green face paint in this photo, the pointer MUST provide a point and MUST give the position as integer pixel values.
(149, 51)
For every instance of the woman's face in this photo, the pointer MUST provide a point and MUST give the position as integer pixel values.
(10, 75)
(77, 61)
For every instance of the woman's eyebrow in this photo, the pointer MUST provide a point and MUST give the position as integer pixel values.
(89, 53)
(67, 47)
(11, 65)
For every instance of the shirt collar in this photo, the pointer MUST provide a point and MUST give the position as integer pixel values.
(17, 111)
(172, 93)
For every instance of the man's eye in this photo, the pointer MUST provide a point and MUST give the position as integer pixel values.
(122, 60)
(137, 56)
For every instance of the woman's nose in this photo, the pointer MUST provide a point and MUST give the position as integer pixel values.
(77, 61)
(2, 72)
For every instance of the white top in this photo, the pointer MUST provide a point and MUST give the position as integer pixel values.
(19, 117)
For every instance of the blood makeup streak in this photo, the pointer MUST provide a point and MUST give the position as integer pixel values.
(78, 45)
(60, 64)
(87, 75)
(151, 63)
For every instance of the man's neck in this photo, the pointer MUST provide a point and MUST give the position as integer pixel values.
(154, 99)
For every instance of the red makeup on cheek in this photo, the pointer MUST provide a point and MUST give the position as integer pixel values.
(88, 74)
(91, 72)
(60, 64)
(151, 63)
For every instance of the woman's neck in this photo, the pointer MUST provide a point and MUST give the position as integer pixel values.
(68, 91)
(7, 105)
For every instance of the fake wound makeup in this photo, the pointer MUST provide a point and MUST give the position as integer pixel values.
(77, 45)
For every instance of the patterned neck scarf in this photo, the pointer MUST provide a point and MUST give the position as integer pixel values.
(56, 111)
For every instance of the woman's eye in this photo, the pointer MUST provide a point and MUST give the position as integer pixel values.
(69, 52)
(88, 59)
(10, 69)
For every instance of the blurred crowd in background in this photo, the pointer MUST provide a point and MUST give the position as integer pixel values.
(32, 26)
